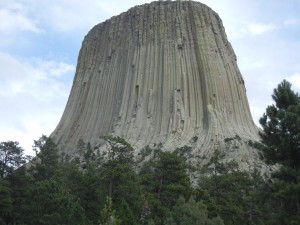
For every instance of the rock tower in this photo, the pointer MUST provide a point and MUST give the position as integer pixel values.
(161, 74)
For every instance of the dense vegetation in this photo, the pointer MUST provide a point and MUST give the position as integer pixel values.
(112, 188)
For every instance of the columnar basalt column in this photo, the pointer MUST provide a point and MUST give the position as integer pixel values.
(160, 74)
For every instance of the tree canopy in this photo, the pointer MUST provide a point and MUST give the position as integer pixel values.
(281, 145)
(281, 127)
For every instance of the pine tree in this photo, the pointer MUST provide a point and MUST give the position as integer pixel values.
(83, 179)
(164, 178)
(45, 164)
(49, 202)
(232, 192)
(108, 215)
(281, 145)
(281, 128)
(11, 157)
(190, 212)
(41, 192)
(121, 181)
(6, 201)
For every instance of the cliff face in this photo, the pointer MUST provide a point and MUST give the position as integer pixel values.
(161, 74)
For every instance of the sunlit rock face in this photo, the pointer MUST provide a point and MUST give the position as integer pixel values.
(161, 74)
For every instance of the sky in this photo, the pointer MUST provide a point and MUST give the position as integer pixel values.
(40, 41)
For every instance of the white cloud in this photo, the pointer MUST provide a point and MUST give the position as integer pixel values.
(13, 19)
(67, 16)
(33, 95)
(53, 68)
(260, 28)
(236, 32)
(21, 76)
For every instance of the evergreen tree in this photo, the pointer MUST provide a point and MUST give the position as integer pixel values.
(46, 163)
(91, 196)
(20, 181)
(204, 196)
(6, 202)
(121, 181)
(11, 157)
(234, 192)
(281, 128)
(41, 193)
(164, 178)
(191, 212)
(281, 144)
(108, 215)
(82, 177)
(49, 202)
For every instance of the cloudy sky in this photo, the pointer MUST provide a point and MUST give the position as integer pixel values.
(40, 41)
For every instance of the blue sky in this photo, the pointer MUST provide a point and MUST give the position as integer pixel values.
(40, 41)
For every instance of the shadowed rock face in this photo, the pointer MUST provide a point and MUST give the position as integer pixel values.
(161, 74)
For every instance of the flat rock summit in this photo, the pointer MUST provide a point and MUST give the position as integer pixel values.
(164, 75)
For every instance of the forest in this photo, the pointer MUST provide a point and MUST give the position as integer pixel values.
(112, 187)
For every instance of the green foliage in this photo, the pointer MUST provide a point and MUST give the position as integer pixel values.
(126, 214)
(204, 196)
(6, 203)
(11, 157)
(183, 152)
(49, 202)
(191, 212)
(108, 215)
(281, 128)
(120, 180)
(43, 191)
(89, 192)
(281, 145)
(45, 164)
(119, 150)
(286, 191)
(103, 188)
(83, 179)
(145, 152)
(19, 183)
(234, 192)
(164, 178)
(255, 144)
(237, 137)
(86, 153)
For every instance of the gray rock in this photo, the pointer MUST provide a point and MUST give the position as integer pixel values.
(161, 74)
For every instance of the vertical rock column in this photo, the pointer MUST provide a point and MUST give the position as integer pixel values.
(162, 74)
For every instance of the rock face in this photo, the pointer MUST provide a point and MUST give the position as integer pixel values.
(161, 74)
